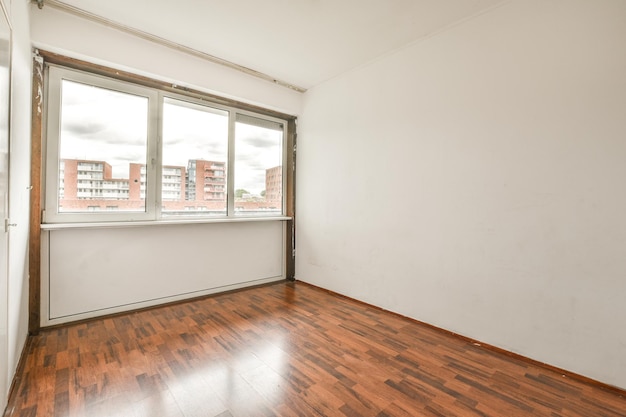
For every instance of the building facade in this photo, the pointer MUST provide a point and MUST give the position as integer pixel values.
(201, 186)
(274, 185)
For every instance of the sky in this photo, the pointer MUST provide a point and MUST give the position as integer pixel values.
(105, 125)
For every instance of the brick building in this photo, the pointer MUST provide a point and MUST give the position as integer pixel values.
(86, 185)
(89, 185)
(274, 185)
(206, 180)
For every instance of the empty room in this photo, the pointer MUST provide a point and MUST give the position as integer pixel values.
(380, 208)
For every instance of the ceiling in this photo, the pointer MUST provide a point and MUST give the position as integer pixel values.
(300, 42)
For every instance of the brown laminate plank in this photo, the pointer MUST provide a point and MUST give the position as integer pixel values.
(287, 349)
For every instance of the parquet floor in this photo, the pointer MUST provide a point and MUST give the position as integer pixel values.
(284, 350)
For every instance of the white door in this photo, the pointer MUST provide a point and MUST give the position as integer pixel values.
(5, 82)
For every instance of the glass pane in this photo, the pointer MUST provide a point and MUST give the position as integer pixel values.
(103, 148)
(195, 155)
(258, 166)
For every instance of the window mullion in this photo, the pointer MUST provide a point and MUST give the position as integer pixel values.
(157, 201)
(230, 177)
(153, 168)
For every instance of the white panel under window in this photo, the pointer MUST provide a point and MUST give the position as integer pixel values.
(95, 271)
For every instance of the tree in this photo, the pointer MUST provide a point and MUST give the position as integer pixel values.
(263, 193)
(240, 192)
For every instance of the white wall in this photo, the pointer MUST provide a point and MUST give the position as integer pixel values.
(56, 31)
(475, 181)
(17, 303)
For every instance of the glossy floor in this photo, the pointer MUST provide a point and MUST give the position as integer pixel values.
(284, 350)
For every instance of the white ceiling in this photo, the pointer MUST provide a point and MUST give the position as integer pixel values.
(302, 42)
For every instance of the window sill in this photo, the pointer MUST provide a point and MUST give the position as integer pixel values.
(143, 223)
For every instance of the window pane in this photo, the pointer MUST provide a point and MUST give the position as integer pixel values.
(258, 166)
(195, 155)
(102, 149)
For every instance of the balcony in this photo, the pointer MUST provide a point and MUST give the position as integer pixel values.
(89, 168)
(90, 176)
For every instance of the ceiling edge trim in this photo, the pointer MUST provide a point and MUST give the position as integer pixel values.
(164, 42)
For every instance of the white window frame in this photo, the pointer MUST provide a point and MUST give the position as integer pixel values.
(231, 163)
(54, 77)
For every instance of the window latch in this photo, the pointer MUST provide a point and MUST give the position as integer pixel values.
(7, 225)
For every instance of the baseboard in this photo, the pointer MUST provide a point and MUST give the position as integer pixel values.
(217, 293)
(19, 372)
(568, 374)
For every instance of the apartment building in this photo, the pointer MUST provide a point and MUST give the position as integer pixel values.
(274, 184)
(86, 185)
(206, 181)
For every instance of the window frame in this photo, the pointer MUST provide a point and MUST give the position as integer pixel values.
(54, 74)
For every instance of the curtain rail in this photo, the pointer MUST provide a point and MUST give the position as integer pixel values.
(164, 42)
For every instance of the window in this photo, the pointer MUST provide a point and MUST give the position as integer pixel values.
(258, 159)
(195, 154)
(99, 133)
(117, 151)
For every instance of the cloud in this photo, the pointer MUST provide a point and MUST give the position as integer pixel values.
(131, 157)
(83, 128)
(96, 115)
(179, 150)
(258, 141)
(104, 125)
(193, 132)
(257, 149)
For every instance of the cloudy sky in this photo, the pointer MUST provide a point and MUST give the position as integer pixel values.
(104, 125)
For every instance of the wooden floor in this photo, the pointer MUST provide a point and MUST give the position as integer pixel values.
(284, 350)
